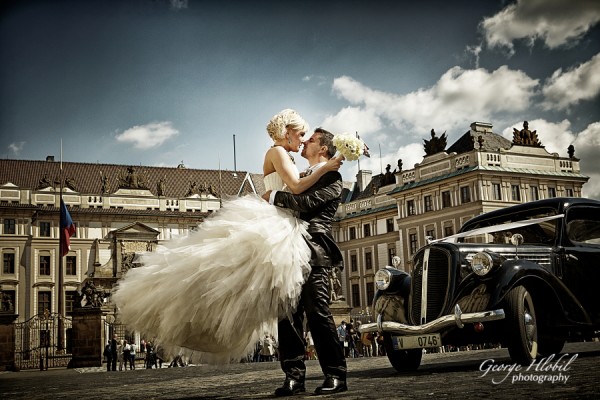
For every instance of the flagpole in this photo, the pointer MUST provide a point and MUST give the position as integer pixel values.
(220, 185)
(60, 294)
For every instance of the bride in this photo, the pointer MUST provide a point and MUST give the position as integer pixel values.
(219, 289)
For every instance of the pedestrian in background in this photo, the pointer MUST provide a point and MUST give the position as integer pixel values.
(132, 356)
(108, 356)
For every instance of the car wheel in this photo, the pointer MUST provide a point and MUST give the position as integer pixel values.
(402, 360)
(521, 326)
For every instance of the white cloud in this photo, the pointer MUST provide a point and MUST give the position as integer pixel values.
(587, 149)
(564, 89)
(459, 95)
(556, 22)
(353, 119)
(147, 136)
(178, 4)
(16, 147)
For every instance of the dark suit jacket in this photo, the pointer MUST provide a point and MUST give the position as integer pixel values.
(317, 206)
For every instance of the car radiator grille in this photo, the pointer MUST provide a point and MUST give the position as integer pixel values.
(430, 284)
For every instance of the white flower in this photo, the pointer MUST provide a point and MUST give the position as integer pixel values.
(349, 146)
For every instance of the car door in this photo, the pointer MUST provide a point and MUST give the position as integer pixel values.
(581, 261)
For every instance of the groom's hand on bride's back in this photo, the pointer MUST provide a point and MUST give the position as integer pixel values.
(266, 195)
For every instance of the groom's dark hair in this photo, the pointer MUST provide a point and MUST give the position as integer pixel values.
(326, 139)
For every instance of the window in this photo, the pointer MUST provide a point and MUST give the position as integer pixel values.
(446, 200)
(448, 231)
(10, 299)
(367, 230)
(496, 191)
(428, 203)
(534, 193)
(45, 229)
(391, 254)
(355, 295)
(410, 207)
(551, 192)
(413, 243)
(389, 224)
(44, 265)
(43, 302)
(353, 263)
(368, 260)
(71, 265)
(71, 297)
(370, 292)
(8, 262)
(430, 233)
(569, 192)
(516, 192)
(465, 194)
(352, 233)
(9, 227)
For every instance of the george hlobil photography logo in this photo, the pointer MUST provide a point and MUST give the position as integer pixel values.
(552, 369)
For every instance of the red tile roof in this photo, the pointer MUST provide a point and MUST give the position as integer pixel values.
(86, 178)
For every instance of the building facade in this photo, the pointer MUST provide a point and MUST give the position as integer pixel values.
(480, 172)
(118, 211)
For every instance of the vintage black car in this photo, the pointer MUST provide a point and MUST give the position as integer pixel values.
(524, 276)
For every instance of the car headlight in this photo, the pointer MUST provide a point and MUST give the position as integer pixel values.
(383, 278)
(482, 263)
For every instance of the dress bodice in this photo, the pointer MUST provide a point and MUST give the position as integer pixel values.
(273, 181)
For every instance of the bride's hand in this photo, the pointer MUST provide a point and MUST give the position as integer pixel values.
(334, 163)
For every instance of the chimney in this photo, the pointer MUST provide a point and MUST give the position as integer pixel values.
(49, 158)
(481, 127)
(363, 178)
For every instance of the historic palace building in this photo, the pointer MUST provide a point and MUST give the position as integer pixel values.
(394, 214)
(118, 211)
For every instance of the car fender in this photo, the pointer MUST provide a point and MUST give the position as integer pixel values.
(517, 272)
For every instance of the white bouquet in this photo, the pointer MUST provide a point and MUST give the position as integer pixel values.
(349, 146)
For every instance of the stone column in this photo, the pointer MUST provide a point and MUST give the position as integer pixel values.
(87, 337)
(7, 341)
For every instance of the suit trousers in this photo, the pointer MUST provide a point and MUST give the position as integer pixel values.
(314, 301)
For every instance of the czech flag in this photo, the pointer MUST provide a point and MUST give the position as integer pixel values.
(67, 229)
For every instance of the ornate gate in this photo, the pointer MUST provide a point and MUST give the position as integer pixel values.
(44, 341)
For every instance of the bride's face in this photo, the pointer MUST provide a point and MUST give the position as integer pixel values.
(296, 138)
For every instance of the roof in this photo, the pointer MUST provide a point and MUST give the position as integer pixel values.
(468, 141)
(369, 191)
(86, 178)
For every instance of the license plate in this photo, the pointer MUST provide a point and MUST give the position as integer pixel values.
(416, 342)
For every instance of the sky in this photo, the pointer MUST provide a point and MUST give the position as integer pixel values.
(159, 82)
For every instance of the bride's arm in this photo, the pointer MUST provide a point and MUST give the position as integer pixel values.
(286, 169)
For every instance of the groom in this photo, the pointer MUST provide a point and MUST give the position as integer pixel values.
(317, 206)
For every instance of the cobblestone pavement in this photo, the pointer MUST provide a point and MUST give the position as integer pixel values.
(441, 376)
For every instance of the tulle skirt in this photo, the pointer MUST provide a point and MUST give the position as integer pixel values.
(222, 287)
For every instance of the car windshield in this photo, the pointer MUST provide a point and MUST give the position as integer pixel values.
(505, 226)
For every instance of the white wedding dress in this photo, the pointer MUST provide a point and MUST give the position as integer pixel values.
(222, 287)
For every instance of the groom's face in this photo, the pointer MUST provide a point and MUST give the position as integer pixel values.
(312, 146)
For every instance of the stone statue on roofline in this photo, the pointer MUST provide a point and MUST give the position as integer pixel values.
(526, 137)
(435, 144)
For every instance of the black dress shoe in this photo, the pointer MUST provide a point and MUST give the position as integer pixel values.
(290, 387)
(332, 385)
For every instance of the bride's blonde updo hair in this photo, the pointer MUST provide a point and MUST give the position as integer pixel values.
(277, 126)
